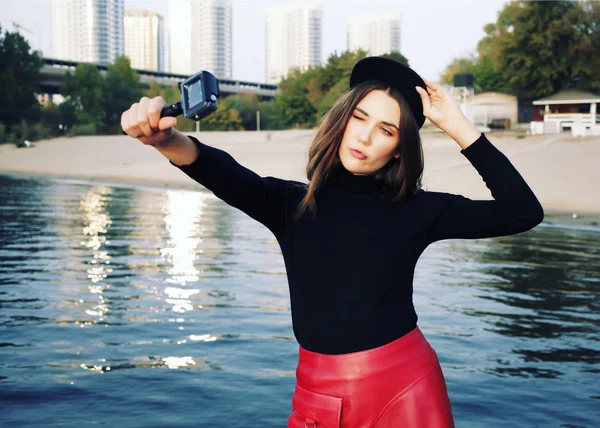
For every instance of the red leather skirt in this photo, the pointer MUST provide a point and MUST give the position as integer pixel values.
(399, 384)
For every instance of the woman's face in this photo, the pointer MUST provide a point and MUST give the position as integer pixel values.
(372, 134)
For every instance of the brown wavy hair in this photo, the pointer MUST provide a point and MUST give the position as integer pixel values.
(399, 177)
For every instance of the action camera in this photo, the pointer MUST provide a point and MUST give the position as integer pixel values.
(199, 95)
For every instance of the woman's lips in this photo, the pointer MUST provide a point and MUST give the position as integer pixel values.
(357, 154)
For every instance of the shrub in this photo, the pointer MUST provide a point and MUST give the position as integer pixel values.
(76, 130)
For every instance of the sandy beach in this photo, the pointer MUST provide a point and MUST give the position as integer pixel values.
(562, 170)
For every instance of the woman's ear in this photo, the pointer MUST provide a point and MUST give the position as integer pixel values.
(397, 155)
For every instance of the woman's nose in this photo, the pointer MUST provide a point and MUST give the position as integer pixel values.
(364, 136)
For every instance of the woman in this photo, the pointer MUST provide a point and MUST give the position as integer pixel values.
(351, 239)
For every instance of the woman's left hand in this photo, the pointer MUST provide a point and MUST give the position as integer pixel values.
(439, 106)
(444, 112)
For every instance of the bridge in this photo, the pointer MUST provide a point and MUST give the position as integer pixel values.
(53, 73)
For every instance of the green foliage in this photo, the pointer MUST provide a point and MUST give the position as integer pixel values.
(333, 94)
(305, 96)
(86, 129)
(398, 57)
(535, 49)
(67, 114)
(91, 99)
(270, 117)
(51, 119)
(587, 69)
(19, 74)
(170, 94)
(458, 66)
(535, 41)
(121, 88)
(247, 104)
(486, 77)
(33, 132)
(83, 95)
(225, 118)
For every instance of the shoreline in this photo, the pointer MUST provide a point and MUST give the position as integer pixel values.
(560, 169)
(551, 214)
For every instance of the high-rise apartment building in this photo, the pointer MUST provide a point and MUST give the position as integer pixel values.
(144, 43)
(377, 35)
(201, 37)
(180, 36)
(87, 31)
(294, 39)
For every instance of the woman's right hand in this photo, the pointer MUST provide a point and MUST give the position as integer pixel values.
(143, 121)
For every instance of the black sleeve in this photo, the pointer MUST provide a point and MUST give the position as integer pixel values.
(259, 197)
(515, 208)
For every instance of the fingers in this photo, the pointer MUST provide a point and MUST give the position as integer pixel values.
(155, 106)
(143, 118)
(424, 99)
(436, 91)
(167, 122)
(432, 85)
(128, 122)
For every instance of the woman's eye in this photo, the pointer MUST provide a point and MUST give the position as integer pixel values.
(358, 117)
(386, 131)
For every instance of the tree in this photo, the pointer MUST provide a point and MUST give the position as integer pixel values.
(539, 48)
(536, 44)
(587, 69)
(83, 96)
(305, 96)
(247, 105)
(270, 116)
(170, 94)
(19, 74)
(535, 49)
(458, 66)
(51, 118)
(397, 56)
(225, 118)
(121, 89)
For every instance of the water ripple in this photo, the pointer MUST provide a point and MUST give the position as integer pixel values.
(157, 304)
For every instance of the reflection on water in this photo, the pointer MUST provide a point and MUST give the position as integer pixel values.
(545, 287)
(145, 299)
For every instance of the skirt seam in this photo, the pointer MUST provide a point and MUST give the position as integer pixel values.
(400, 394)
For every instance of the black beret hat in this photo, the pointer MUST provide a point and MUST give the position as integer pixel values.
(396, 75)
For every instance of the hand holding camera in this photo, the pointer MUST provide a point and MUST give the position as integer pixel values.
(151, 120)
(143, 121)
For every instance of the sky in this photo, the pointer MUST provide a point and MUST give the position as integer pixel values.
(433, 32)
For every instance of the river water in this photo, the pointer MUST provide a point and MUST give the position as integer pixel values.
(145, 307)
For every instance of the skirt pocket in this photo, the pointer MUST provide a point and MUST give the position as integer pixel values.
(317, 410)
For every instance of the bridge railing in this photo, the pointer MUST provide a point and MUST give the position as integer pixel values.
(71, 65)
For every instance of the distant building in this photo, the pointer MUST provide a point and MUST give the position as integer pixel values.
(87, 31)
(212, 37)
(201, 37)
(294, 39)
(180, 36)
(377, 35)
(572, 109)
(144, 40)
(494, 110)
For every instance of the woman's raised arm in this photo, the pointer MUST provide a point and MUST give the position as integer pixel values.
(262, 198)
(514, 209)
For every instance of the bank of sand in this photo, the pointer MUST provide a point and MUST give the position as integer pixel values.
(563, 171)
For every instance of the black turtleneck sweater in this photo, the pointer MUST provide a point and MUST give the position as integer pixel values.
(350, 270)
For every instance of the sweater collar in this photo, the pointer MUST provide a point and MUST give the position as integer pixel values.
(356, 183)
